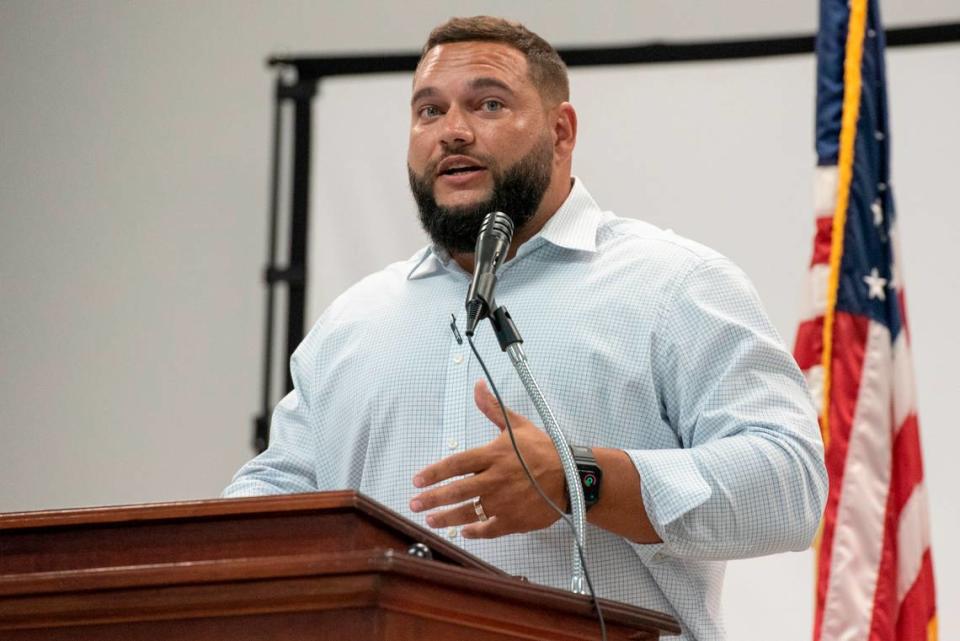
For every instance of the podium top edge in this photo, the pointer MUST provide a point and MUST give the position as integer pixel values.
(185, 509)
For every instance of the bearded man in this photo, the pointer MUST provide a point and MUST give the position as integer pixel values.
(654, 352)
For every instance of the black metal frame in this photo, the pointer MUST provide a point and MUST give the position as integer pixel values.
(300, 93)
(301, 87)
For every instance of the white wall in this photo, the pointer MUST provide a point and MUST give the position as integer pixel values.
(134, 145)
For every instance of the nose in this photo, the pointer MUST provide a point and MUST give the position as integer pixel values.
(456, 128)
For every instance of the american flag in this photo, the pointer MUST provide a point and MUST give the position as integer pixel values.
(874, 567)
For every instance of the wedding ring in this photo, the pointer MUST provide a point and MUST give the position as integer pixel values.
(478, 508)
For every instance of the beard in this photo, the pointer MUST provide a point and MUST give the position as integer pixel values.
(517, 192)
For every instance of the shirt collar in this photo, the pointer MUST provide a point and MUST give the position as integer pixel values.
(573, 226)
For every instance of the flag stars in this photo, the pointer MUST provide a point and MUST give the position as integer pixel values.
(879, 135)
(876, 285)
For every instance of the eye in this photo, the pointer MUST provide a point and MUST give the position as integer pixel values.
(428, 111)
(491, 105)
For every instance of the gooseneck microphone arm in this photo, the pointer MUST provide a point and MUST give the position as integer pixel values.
(578, 510)
(493, 243)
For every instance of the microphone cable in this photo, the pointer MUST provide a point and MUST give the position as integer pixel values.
(523, 463)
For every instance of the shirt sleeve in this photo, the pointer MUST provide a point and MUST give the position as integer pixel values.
(748, 478)
(288, 465)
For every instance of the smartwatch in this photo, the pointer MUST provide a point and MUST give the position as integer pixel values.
(590, 474)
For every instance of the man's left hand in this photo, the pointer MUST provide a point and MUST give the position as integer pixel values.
(493, 473)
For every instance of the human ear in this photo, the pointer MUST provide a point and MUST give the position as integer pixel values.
(564, 130)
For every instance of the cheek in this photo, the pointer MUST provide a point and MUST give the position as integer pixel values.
(511, 140)
(418, 150)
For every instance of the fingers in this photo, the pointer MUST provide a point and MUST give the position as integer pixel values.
(487, 403)
(469, 462)
(489, 529)
(466, 516)
(447, 495)
(459, 515)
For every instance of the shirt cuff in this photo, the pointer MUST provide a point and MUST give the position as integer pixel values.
(671, 486)
(649, 553)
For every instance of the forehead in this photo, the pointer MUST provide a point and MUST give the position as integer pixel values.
(464, 60)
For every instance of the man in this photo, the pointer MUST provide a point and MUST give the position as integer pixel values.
(653, 351)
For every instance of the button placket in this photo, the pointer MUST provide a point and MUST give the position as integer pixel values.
(456, 387)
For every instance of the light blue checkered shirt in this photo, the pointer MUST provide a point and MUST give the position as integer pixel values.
(640, 339)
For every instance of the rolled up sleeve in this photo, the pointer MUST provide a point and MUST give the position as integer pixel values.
(748, 477)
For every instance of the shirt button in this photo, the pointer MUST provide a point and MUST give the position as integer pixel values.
(452, 532)
(453, 444)
(458, 359)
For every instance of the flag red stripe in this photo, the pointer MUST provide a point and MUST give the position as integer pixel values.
(822, 241)
(883, 621)
(919, 604)
(850, 338)
(809, 344)
(908, 463)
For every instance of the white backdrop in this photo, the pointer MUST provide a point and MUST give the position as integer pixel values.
(721, 152)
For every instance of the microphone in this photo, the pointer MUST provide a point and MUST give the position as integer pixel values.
(493, 243)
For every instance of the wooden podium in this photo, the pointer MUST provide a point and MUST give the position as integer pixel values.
(332, 565)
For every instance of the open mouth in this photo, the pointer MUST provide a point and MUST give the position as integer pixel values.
(459, 171)
(459, 168)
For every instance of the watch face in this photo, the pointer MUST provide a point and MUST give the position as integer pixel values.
(591, 488)
(589, 480)
(590, 474)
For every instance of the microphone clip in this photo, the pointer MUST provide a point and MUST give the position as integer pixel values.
(504, 328)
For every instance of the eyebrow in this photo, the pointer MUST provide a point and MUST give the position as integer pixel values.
(483, 82)
(426, 92)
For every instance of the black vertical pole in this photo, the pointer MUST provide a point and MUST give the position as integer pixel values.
(301, 93)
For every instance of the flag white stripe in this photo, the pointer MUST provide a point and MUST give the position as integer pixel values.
(858, 536)
(904, 395)
(814, 296)
(913, 539)
(825, 190)
(814, 377)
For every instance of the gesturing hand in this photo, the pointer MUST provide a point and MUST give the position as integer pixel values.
(493, 473)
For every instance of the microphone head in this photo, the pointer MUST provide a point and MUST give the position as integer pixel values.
(493, 244)
(498, 225)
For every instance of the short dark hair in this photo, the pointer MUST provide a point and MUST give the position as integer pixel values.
(546, 68)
